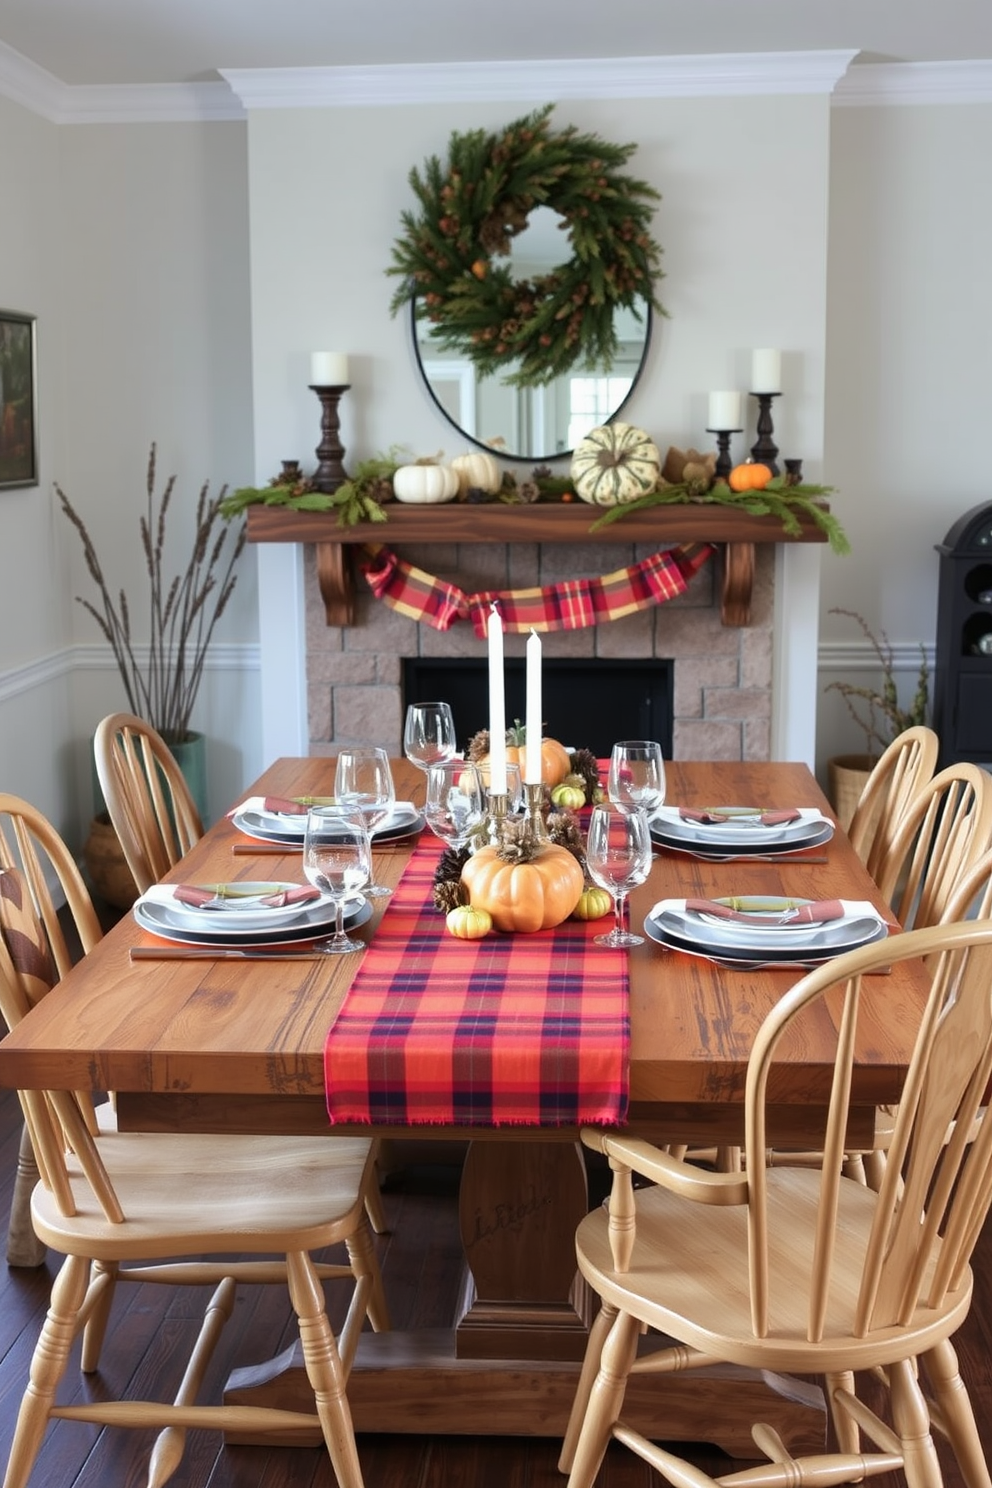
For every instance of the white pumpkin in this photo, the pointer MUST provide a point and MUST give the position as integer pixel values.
(479, 470)
(614, 464)
(425, 484)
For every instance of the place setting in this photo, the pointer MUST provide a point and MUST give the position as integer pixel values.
(723, 833)
(363, 778)
(752, 931)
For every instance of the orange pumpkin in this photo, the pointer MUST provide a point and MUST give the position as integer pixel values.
(524, 896)
(751, 476)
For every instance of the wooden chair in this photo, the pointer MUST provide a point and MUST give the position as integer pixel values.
(802, 1269)
(148, 800)
(29, 841)
(907, 764)
(943, 831)
(163, 1203)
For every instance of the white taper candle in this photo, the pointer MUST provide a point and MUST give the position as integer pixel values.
(533, 718)
(497, 706)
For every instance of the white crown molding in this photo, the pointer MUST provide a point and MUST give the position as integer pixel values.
(874, 84)
(731, 75)
(859, 656)
(25, 83)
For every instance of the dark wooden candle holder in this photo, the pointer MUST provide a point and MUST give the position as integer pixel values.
(724, 464)
(330, 472)
(764, 449)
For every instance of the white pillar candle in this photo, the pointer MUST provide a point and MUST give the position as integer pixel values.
(497, 707)
(328, 369)
(766, 371)
(725, 411)
(533, 719)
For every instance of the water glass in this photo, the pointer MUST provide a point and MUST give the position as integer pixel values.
(363, 779)
(618, 858)
(637, 775)
(337, 859)
(514, 786)
(456, 801)
(428, 734)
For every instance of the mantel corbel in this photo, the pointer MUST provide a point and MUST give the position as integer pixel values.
(736, 533)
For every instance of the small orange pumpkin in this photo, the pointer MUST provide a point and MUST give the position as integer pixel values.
(524, 896)
(751, 476)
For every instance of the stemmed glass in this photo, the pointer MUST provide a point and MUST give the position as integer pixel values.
(637, 775)
(456, 801)
(428, 734)
(363, 779)
(618, 858)
(337, 859)
(514, 786)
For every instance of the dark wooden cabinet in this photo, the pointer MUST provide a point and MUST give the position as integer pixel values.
(963, 669)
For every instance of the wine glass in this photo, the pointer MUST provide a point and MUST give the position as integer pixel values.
(456, 801)
(428, 734)
(363, 779)
(637, 775)
(618, 858)
(337, 859)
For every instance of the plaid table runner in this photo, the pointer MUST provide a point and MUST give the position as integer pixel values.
(510, 1030)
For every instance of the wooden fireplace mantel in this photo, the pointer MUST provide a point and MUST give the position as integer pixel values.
(737, 532)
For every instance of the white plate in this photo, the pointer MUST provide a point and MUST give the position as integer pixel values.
(726, 849)
(269, 826)
(235, 914)
(688, 930)
(738, 831)
(755, 960)
(317, 919)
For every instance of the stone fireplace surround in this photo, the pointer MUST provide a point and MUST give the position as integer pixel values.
(723, 674)
(740, 692)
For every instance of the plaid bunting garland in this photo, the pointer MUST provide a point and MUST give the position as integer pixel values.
(509, 1030)
(569, 605)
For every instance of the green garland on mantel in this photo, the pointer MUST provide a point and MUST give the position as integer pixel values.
(471, 208)
(360, 499)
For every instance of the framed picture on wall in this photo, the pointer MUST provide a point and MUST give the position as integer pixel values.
(18, 431)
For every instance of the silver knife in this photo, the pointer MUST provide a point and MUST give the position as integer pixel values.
(221, 953)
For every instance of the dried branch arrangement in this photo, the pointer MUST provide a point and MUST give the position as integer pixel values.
(183, 610)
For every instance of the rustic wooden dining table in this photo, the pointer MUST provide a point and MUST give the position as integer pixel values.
(214, 1045)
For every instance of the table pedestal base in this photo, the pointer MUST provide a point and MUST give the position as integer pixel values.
(414, 1383)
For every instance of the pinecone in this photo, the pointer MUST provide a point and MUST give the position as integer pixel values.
(517, 846)
(450, 864)
(583, 762)
(381, 490)
(564, 831)
(449, 895)
(478, 746)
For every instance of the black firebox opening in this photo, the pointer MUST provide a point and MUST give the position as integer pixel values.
(588, 703)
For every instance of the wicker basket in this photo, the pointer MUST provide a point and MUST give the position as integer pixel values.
(107, 866)
(847, 776)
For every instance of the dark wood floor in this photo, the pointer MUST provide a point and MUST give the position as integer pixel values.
(420, 1265)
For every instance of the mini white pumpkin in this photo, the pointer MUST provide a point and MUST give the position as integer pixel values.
(425, 484)
(614, 464)
(479, 470)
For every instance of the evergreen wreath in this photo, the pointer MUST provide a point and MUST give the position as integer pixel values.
(474, 205)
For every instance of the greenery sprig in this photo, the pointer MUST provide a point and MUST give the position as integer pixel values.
(183, 611)
(879, 713)
(777, 499)
(470, 209)
(358, 499)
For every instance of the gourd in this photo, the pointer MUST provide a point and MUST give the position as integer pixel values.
(467, 922)
(425, 484)
(593, 904)
(572, 797)
(614, 464)
(524, 887)
(751, 476)
(477, 470)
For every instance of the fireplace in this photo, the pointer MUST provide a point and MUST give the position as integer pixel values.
(588, 702)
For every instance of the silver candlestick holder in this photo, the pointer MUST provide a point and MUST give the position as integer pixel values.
(535, 809)
(496, 817)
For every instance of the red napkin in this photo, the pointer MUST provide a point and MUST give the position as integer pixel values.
(282, 806)
(195, 896)
(715, 817)
(817, 912)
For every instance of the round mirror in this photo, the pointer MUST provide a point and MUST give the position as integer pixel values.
(533, 423)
